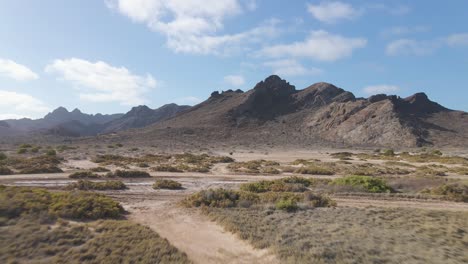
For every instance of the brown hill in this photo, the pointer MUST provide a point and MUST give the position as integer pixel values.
(275, 113)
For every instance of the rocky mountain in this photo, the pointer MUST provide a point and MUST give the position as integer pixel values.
(142, 116)
(275, 113)
(61, 122)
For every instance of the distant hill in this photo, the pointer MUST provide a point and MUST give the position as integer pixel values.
(61, 122)
(275, 113)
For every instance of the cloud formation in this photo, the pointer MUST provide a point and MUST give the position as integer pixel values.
(290, 67)
(18, 105)
(193, 26)
(101, 82)
(16, 71)
(319, 45)
(332, 12)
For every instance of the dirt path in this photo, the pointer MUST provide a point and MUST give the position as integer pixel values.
(203, 240)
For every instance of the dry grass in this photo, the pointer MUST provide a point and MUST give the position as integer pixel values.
(85, 185)
(351, 235)
(167, 184)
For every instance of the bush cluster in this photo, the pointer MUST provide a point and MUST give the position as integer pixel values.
(15, 201)
(167, 184)
(453, 192)
(369, 184)
(83, 175)
(128, 174)
(86, 185)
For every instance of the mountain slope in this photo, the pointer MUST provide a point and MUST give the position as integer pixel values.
(275, 113)
(142, 116)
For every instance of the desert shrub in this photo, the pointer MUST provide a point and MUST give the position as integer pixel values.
(454, 192)
(287, 205)
(110, 159)
(15, 201)
(389, 152)
(5, 171)
(270, 170)
(85, 185)
(314, 170)
(119, 145)
(167, 184)
(84, 205)
(201, 169)
(51, 152)
(128, 174)
(22, 151)
(167, 168)
(213, 198)
(315, 200)
(83, 175)
(370, 184)
(342, 155)
(43, 168)
(3, 156)
(25, 146)
(257, 187)
(143, 165)
(99, 169)
(437, 152)
(35, 149)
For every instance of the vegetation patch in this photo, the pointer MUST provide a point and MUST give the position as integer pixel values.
(314, 170)
(33, 165)
(33, 230)
(369, 184)
(453, 192)
(85, 185)
(5, 171)
(167, 184)
(83, 175)
(99, 169)
(128, 174)
(255, 166)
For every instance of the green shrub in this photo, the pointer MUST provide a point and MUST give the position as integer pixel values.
(167, 184)
(128, 174)
(287, 205)
(26, 146)
(35, 149)
(3, 156)
(83, 175)
(370, 184)
(85, 185)
(5, 171)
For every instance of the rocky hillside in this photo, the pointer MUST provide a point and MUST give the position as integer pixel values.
(275, 113)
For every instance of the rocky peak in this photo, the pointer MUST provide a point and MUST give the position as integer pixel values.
(274, 84)
(140, 110)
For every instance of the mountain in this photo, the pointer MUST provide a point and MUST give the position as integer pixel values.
(275, 113)
(142, 116)
(61, 122)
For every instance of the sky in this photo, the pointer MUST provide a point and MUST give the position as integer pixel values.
(105, 56)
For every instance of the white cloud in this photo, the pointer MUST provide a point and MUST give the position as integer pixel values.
(460, 39)
(289, 67)
(101, 82)
(319, 45)
(193, 26)
(18, 105)
(332, 12)
(234, 80)
(381, 89)
(16, 71)
(425, 47)
(411, 47)
(189, 100)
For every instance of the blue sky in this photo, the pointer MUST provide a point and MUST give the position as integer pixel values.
(108, 55)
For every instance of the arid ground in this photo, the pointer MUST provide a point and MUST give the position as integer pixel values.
(418, 216)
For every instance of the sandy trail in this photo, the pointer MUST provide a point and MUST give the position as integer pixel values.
(201, 239)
